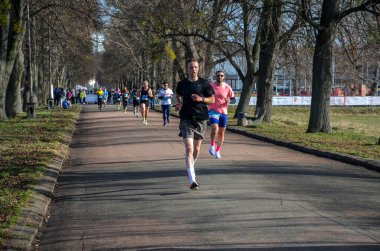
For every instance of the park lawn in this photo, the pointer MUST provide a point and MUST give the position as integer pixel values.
(26, 146)
(356, 130)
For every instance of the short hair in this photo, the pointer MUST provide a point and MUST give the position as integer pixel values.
(219, 71)
(192, 60)
(165, 82)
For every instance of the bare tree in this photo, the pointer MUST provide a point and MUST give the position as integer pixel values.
(331, 14)
(271, 17)
(357, 52)
(71, 23)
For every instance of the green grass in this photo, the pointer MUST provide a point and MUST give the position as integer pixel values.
(356, 130)
(26, 146)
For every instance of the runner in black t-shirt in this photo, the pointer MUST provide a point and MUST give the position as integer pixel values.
(193, 95)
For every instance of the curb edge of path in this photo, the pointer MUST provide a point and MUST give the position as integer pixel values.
(22, 235)
(370, 164)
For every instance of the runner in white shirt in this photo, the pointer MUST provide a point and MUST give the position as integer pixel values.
(165, 95)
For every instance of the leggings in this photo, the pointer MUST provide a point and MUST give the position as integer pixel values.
(166, 112)
(125, 104)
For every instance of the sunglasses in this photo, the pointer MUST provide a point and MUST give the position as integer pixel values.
(220, 75)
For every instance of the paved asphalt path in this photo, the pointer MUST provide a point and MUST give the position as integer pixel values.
(124, 187)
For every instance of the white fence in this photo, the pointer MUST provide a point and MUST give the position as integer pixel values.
(300, 100)
(338, 101)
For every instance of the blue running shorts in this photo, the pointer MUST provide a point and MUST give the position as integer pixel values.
(218, 118)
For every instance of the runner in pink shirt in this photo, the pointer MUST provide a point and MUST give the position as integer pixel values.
(218, 112)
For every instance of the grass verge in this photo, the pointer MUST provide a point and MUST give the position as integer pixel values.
(356, 130)
(26, 147)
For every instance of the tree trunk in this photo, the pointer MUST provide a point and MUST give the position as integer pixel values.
(154, 75)
(217, 8)
(252, 57)
(245, 96)
(269, 46)
(319, 120)
(61, 78)
(208, 61)
(11, 37)
(13, 104)
(43, 87)
(191, 49)
(35, 66)
(36, 84)
(176, 62)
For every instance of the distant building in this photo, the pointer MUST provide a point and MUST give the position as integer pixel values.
(281, 85)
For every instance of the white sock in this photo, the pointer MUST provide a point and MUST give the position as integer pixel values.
(191, 175)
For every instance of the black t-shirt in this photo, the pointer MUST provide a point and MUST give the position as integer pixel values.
(191, 109)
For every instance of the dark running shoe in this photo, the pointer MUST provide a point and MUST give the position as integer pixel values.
(180, 134)
(194, 186)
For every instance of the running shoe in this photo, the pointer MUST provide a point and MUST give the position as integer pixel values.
(211, 150)
(194, 186)
(217, 155)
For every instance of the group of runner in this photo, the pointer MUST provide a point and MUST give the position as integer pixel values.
(104, 97)
(197, 102)
(120, 98)
(140, 99)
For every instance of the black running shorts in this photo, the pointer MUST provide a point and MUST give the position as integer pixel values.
(193, 129)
